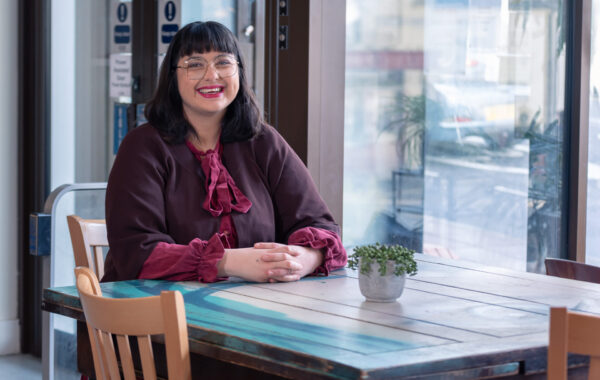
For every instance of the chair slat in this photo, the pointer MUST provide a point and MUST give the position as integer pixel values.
(557, 347)
(147, 357)
(111, 356)
(98, 260)
(98, 353)
(125, 356)
(175, 339)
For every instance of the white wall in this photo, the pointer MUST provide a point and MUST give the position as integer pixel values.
(9, 322)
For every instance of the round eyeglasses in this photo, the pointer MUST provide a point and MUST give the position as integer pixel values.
(196, 67)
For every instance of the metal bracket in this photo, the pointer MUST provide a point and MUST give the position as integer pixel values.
(39, 234)
(283, 7)
(283, 37)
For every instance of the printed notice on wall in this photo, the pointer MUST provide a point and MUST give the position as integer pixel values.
(120, 75)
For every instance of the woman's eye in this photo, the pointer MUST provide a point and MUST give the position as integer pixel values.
(224, 63)
(196, 65)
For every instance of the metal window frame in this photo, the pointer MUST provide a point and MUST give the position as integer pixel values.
(34, 157)
(577, 92)
(304, 88)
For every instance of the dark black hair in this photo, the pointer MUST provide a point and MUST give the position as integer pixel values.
(243, 119)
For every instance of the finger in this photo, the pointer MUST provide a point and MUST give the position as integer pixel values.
(287, 278)
(286, 265)
(266, 245)
(275, 256)
(290, 250)
(280, 272)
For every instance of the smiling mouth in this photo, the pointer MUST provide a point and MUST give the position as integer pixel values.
(210, 90)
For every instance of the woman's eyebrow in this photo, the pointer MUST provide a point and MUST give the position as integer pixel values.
(228, 55)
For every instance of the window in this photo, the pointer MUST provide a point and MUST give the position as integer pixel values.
(454, 131)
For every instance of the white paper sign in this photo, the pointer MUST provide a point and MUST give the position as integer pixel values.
(120, 75)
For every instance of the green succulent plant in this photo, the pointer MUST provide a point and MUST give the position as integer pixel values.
(381, 253)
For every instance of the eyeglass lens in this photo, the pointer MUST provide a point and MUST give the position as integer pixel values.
(197, 67)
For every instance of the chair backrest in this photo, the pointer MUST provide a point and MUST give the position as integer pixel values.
(88, 237)
(576, 333)
(572, 270)
(135, 317)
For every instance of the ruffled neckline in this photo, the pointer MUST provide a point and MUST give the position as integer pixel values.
(222, 194)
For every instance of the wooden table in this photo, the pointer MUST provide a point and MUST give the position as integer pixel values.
(454, 319)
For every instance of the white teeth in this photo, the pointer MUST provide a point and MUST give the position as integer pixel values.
(210, 90)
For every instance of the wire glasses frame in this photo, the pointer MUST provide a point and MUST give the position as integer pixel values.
(196, 67)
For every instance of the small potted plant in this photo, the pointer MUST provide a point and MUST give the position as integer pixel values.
(382, 270)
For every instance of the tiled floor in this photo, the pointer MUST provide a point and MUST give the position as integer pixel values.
(23, 367)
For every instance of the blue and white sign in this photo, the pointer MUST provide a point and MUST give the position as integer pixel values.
(167, 32)
(122, 12)
(120, 125)
(169, 21)
(140, 118)
(122, 34)
(120, 26)
(170, 10)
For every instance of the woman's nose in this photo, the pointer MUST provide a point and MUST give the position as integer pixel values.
(211, 72)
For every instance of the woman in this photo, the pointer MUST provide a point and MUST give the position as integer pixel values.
(206, 189)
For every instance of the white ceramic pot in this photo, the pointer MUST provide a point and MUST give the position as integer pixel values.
(378, 288)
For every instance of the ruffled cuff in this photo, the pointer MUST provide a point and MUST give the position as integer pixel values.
(209, 254)
(196, 261)
(334, 253)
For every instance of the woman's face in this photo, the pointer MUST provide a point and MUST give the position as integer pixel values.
(207, 83)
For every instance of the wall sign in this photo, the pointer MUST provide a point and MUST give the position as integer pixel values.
(169, 21)
(120, 125)
(120, 26)
(120, 75)
(120, 49)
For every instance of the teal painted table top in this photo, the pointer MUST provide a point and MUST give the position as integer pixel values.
(454, 318)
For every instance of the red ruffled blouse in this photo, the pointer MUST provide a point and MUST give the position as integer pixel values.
(197, 261)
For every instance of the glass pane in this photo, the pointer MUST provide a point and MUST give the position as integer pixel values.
(593, 190)
(79, 84)
(453, 128)
(222, 11)
(88, 204)
(243, 18)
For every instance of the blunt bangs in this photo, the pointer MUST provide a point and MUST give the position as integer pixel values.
(203, 37)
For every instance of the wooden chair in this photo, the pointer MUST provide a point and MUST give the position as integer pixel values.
(139, 317)
(576, 333)
(573, 270)
(88, 237)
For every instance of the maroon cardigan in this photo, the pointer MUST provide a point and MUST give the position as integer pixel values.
(156, 190)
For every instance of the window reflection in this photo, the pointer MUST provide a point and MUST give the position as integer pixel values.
(453, 128)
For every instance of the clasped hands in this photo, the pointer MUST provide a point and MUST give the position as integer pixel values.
(270, 262)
